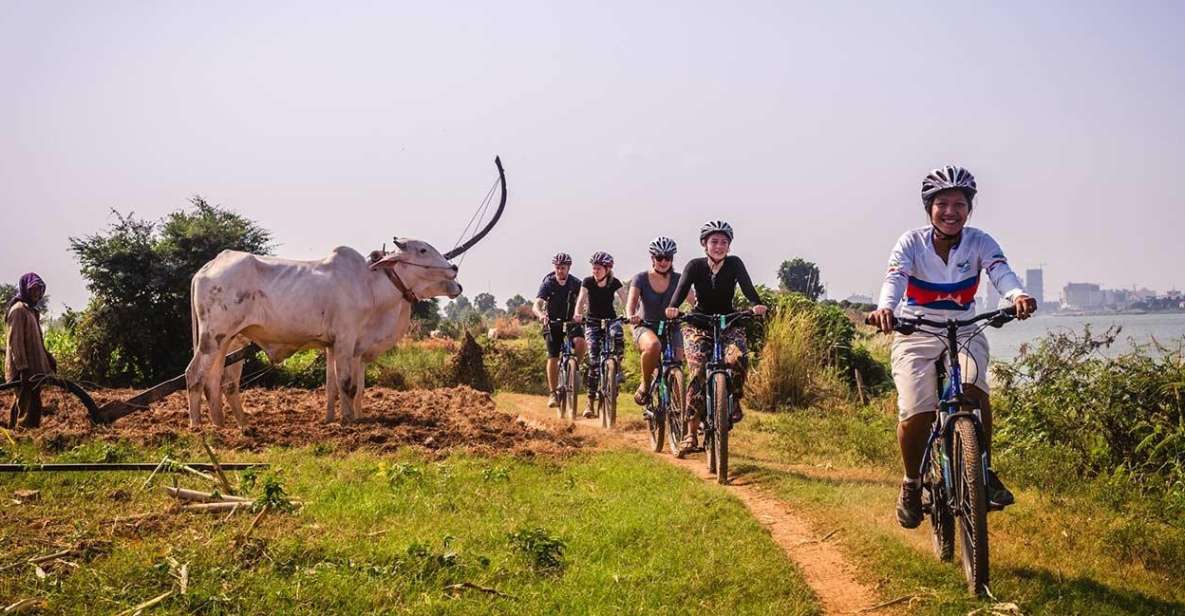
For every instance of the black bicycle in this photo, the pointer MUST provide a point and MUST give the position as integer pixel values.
(569, 373)
(664, 413)
(719, 400)
(607, 375)
(954, 473)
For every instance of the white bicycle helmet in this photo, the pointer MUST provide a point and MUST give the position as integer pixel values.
(946, 178)
(561, 258)
(663, 246)
(715, 226)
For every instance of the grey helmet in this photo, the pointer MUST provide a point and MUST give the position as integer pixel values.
(663, 246)
(561, 258)
(946, 178)
(715, 226)
(601, 258)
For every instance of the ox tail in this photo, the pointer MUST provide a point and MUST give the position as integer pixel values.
(193, 312)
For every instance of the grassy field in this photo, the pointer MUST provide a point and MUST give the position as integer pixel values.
(1057, 553)
(608, 532)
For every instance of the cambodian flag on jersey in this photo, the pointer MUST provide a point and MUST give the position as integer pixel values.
(942, 296)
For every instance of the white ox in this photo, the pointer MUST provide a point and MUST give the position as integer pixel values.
(352, 307)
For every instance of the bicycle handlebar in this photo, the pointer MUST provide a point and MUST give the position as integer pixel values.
(908, 325)
(709, 319)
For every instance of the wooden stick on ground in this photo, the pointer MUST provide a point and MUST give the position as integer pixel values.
(147, 604)
(472, 586)
(203, 497)
(230, 506)
(217, 467)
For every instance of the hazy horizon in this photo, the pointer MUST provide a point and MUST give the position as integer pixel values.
(808, 127)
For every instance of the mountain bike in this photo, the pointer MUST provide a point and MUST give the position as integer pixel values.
(954, 472)
(664, 413)
(569, 373)
(607, 374)
(719, 400)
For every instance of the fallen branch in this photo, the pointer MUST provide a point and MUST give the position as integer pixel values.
(820, 539)
(126, 466)
(204, 497)
(891, 602)
(217, 466)
(472, 586)
(231, 506)
(147, 604)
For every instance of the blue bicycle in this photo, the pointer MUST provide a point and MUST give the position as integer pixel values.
(954, 473)
(719, 401)
(569, 373)
(664, 413)
(606, 374)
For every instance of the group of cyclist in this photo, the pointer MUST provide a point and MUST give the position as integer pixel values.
(934, 271)
(707, 284)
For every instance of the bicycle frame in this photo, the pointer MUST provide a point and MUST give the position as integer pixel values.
(715, 364)
(608, 349)
(662, 330)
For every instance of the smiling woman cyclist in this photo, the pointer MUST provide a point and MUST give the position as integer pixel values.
(715, 277)
(936, 269)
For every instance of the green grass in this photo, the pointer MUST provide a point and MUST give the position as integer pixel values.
(1052, 552)
(612, 532)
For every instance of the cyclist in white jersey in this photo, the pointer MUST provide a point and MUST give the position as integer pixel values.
(936, 271)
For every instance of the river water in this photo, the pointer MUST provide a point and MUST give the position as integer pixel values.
(1137, 328)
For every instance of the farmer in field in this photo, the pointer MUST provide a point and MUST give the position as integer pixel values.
(26, 359)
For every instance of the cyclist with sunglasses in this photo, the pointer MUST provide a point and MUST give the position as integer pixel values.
(936, 270)
(715, 278)
(651, 291)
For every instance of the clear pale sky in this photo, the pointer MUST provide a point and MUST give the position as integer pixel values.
(807, 126)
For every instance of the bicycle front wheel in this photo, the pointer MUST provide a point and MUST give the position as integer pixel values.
(609, 407)
(676, 410)
(941, 518)
(970, 497)
(721, 409)
(568, 406)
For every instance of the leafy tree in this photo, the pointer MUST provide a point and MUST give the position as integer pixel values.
(485, 303)
(426, 313)
(137, 327)
(459, 309)
(801, 276)
(513, 303)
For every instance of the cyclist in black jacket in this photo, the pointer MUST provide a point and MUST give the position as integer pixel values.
(557, 300)
(715, 278)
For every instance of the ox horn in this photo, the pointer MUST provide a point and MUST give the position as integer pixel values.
(398, 244)
(501, 206)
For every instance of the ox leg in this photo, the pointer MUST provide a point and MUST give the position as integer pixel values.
(195, 380)
(343, 361)
(214, 385)
(330, 385)
(231, 380)
(359, 379)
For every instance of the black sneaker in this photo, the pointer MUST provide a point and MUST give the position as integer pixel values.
(998, 496)
(909, 504)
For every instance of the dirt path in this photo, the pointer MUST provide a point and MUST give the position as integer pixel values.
(823, 566)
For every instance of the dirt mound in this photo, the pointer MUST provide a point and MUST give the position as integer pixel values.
(458, 418)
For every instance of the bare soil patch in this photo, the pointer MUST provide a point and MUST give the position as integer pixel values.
(439, 420)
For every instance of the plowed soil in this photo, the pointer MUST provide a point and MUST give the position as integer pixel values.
(440, 420)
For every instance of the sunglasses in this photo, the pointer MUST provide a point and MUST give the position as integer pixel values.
(664, 258)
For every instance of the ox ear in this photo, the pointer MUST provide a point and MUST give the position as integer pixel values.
(398, 244)
(389, 260)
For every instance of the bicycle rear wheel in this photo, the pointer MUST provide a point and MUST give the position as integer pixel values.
(721, 409)
(971, 503)
(609, 404)
(571, 377)
(675, 412)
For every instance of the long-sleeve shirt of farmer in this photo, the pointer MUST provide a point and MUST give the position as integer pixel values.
(714, 293)
(26, 346)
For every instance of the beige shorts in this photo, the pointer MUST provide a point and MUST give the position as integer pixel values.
(913, 359)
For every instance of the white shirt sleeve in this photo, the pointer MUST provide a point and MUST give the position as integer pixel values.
(897, 276)
(996, 265)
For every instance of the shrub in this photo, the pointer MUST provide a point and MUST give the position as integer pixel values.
(1119, 416)
(544, 552)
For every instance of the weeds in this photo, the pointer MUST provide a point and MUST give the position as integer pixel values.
(544, 552)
